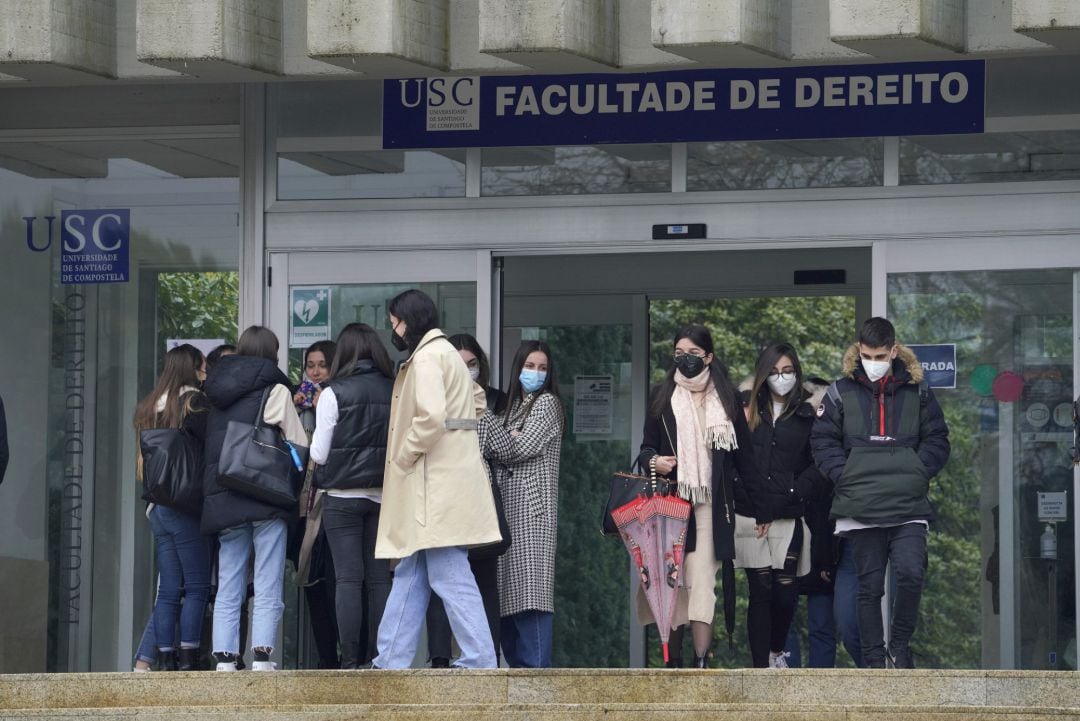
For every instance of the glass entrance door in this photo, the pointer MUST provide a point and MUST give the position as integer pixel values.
(312, 296)
(1001, 584)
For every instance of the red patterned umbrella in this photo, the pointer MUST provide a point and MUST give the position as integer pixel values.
(654, 531)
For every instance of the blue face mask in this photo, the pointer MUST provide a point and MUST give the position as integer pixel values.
(531, 380)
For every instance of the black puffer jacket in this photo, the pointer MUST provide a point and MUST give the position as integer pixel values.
(234, 389)
(358, 447)
(789, 475)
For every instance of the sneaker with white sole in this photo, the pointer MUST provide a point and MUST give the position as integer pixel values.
(778, 660)
(226, 666)
(263, 666)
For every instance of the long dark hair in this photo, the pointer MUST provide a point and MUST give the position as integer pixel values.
(418, 310)
(765, 363)
(181, 368)
(514, 391)
(464, 341)
(215, 355)
(356, 342)
(260, 342)
(699, 335)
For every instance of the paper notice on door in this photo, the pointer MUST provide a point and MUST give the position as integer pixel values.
(593, 402)
(309, 317)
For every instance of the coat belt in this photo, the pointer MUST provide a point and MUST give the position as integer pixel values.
(461, 424)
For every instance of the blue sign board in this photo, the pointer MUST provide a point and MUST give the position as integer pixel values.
(938, 364)
(685, 105)
(94, 246)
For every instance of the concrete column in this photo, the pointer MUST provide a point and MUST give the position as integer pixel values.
(568, 36)
(380, 37)
(1056, 22)
(746, 32)
(58, 40)
(214, 39)
(900, 29)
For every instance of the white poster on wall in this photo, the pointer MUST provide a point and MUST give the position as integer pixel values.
(593, 402)
(205, 345)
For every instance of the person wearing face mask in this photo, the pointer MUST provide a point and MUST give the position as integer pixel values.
(523, 440)
(696, 436)
(483, 561)
(780, 413)
(436, 499)
(880, 436)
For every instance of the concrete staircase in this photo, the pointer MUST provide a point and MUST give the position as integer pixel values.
(558, 695)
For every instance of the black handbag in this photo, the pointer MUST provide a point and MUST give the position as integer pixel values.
(494, 550)
(256, 462)
(172, 469)
(625, 487)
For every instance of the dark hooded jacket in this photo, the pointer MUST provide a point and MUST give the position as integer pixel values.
(880, 442)
(234, 389)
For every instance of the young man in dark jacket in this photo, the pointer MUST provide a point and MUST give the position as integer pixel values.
(880, 436)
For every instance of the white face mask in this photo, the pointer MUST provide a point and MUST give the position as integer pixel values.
(474, 373)
(876, 370)
(782, 384)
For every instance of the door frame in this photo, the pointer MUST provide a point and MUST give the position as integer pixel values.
(1029, 252)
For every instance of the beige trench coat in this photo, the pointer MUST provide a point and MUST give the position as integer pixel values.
(436, 491)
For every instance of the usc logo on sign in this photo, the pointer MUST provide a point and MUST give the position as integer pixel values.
(450, 103)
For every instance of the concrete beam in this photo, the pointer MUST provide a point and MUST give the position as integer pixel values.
(380, 37)
(297, 61)
(746, 32)
(465, 55)
(900, 29)
(227, 40)
(565, 37)
(1056, 22)
(58, 40)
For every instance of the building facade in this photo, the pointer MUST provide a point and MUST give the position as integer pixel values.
(589, 172)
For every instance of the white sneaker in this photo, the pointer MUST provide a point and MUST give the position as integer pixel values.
(263, 666)
(778, 660)
(227, 666)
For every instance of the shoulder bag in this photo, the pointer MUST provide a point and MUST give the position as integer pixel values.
(172, 467)
(257, 462)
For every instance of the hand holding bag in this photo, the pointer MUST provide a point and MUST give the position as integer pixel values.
(257, 462)
(625, 487)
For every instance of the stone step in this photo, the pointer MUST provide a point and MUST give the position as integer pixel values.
(546, 694)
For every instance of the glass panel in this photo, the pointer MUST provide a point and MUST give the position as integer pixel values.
(819, 328)
(580, 170)
(1010, 427)
(848, 162)
(990, 157)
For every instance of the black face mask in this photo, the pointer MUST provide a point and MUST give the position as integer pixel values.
(690, 365)
(400, 343)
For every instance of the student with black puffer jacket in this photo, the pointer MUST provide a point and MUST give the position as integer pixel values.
(235, 389)
(352, 421)
(780, 416)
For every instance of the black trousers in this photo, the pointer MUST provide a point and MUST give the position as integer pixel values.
(351, 526)
(486, 571)
(774, 595)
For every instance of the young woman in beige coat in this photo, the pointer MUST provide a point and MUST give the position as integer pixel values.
(437, 500)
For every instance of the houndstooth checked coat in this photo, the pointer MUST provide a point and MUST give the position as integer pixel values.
(527, 470)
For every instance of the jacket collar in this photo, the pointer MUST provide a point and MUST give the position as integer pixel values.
(431, 335)
(906, 367)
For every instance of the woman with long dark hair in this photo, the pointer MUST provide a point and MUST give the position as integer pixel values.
(483, 561)
(696, 436)
(523, 441)
(437, 501)
(243, 524)
(780, 414)
(349, 444)
(182, 552)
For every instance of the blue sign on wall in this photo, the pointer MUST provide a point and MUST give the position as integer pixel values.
(938, 363)
(94, 246)
(685, 105)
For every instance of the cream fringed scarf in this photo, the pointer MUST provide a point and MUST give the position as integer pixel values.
(696, 443)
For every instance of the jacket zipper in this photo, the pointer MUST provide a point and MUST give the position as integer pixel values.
(881, 408)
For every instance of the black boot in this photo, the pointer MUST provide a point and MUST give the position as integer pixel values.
(190, 659)
(350, 656)
(440, 662)
(701, 661)
(166, 660)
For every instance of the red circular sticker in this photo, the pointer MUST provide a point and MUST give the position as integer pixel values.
(1008, 387)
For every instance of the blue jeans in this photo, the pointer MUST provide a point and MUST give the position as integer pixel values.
(845, 603)
(147, 650)
(445, 571)
(183, 560)
(268, 540)
(820, 632)
(526, 639)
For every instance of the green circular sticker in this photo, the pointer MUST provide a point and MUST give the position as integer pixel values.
(982, 379)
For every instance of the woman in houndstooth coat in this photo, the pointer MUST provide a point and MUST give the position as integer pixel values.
(522, 441)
